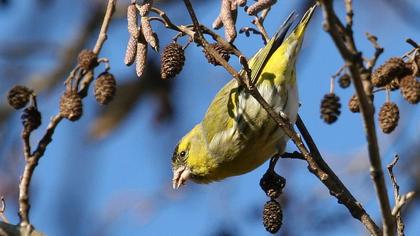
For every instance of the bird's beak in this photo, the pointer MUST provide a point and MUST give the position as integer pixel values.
(181, 175)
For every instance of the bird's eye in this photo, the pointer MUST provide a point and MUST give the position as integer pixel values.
(182, 154)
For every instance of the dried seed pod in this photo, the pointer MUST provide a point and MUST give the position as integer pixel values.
(228, 20)
(223, 52)
(344, 81)
(31, 118)
(217, 23)
(255, 8)
(71, 106)
(87, 59)
(272, 184)
(330, 108)
(132, 20)
(18, 96)
(388, 117)
(145, 7)
(141, 56)
(391, 69)
(131, 51)
(354, 105)
(410, 89)
(394, 84)
(172, 60)
(272, 216)
(149, 35)
(105, 87)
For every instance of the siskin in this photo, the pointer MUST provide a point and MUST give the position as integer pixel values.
(237, 135)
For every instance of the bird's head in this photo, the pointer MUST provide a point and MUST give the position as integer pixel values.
(191, 159)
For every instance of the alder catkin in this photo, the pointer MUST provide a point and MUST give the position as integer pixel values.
(71, 106)
(272, 216)
(257, 7)
(145, 7)
(31, 118)
(391, 69)
(132, 20)
(272, 184)
(149, 35)
(105, 87)
(410, 89)
(228, 20)
(141, 56)
(224, 53)
(87, 59)
(131, 51)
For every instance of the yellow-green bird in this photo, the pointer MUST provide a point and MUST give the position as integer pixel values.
(237, 135)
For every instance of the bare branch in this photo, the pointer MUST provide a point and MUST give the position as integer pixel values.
(343, 39)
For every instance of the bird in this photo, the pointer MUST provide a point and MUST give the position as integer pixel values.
(236, 134)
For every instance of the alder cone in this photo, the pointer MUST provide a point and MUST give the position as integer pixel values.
(31, 118)
(389, 115)
(272, 216)
(410, 89)
(330, 108)
(172, 60)
(223, 52)
(71, 106)
(393, 68)
(272, 184)
(87, 59)
(344, 81)
(354, 105)
(18, 96)
(105, 87)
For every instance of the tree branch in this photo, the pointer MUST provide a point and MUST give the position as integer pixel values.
(32, 160)
(343, 39)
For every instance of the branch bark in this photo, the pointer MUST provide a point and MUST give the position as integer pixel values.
(32, 160)
(343, 39)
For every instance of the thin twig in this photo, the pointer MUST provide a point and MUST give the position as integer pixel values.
(343, 39)
(400, 201)
(324, 173)
(105, 24)
(33, 159)
(378, 51)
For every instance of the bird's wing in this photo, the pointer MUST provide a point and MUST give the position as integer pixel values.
(220, 124)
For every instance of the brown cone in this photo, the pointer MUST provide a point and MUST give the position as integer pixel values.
(105, 87)
(87, 59)
(410, 89)
(222, 52)
(272, 216)
(330, 108)
(391, 69)
(31, 118)
(172, 60)
(354, 104)
(344, 81)
(388, 117)
(18, 96)
(71, 106)
(272, 184)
